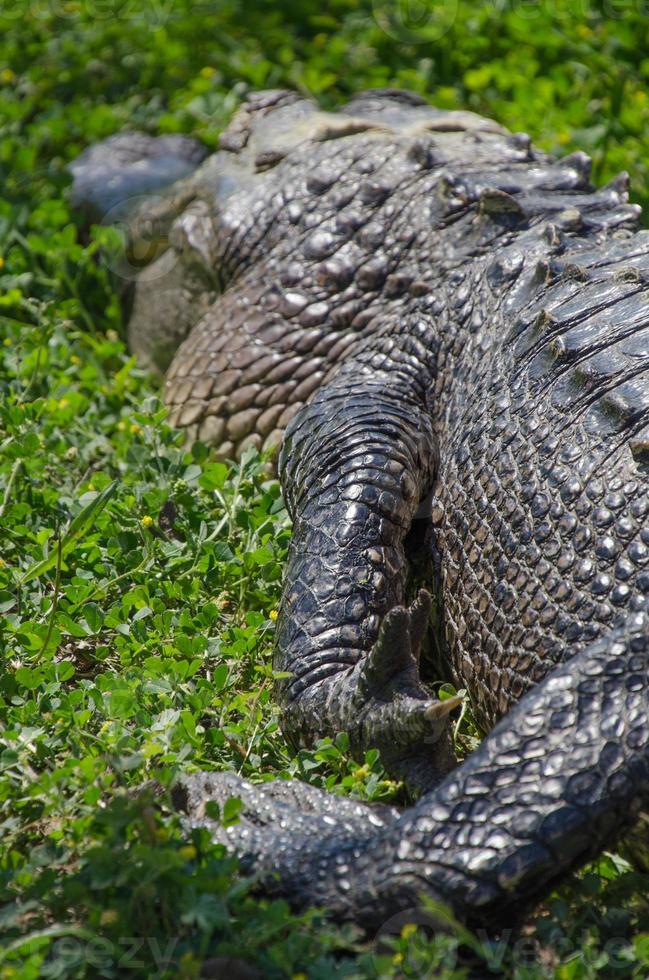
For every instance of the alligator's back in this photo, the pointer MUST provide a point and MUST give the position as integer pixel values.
(543, 486)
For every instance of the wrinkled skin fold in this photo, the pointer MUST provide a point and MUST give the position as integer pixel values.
(446, 330)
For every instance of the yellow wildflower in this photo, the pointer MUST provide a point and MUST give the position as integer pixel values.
(108, 917)
(63, 403)
(208, 72)
(273, 614)
(134, 429)
(397, 959)
(75, 359)
(188, 852)
(146, 521)
(7, 76)
(408, 930)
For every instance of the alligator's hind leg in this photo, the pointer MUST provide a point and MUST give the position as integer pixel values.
(563, 775)
(356, 464)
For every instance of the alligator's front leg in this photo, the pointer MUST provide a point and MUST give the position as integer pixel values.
(564, 774)
(356, 464)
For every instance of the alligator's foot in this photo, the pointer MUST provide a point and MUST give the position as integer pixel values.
(396, 713)
(382, 703)
(350, 647)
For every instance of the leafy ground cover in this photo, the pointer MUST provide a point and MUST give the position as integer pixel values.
(139, 578)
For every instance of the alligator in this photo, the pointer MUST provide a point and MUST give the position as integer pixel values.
(447, 331)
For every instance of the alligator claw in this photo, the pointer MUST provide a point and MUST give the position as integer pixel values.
(397, 714)
(392, 654)
(419, 617)
(395, 655)
(441, 709)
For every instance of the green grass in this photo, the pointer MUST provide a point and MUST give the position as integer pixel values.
(139, 579)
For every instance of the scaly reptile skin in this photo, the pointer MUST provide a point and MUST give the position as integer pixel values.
(454, 328)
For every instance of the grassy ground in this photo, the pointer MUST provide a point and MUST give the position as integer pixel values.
(138, 581)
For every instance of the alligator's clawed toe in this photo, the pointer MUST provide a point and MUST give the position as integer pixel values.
(395, 657)
(400, 717)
